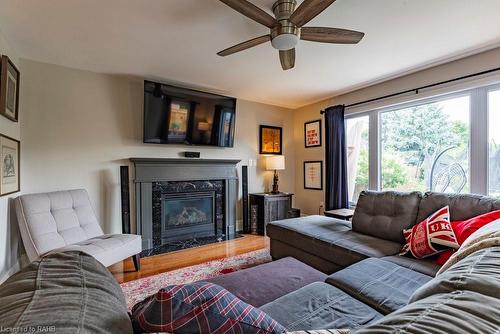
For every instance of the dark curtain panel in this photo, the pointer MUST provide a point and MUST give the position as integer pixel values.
(336, 159)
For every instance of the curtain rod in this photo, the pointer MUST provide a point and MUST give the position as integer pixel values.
(418, 89)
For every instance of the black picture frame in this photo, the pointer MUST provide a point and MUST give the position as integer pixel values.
(4, 192)
(320, 134)
(320, 174)
(262, 144)
(8, 71)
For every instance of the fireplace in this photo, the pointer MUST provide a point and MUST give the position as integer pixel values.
(187, 211)
(183, 203)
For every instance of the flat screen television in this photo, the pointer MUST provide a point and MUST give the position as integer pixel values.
(174, 115)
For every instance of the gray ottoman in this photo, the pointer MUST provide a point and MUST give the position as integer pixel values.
(263, 284)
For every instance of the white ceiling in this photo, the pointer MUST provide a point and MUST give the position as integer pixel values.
(177, 40)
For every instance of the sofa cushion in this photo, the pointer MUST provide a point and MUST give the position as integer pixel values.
(478, 272)
(462, 206)
(108, 248)
(383, 285)
(320, 306)
(200, 308)
(330, 239)
(264, 283)
(424, 266)
(386, 214)
(457, 312)
(67, 292)
(431, 236)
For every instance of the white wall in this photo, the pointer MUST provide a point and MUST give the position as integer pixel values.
(9, 240)
(309, 200)
(79, 127)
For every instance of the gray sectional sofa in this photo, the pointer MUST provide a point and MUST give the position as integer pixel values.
(330, 244)
(368, 289)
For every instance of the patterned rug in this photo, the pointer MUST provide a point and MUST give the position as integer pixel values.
(139, 289)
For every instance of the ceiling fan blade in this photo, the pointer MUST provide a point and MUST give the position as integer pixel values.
(331, 35)
(308, 10)
(245, 45)
(287, 59)
(251, 11)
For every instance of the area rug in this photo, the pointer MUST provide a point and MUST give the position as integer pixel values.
(139, 289)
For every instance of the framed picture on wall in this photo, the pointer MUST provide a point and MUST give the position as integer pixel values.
(313, 175)
(9, 165)
(271, 140)
(312, 133)
(9, 89)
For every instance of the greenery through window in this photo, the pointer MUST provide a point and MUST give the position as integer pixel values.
(426, 147)
(494, 143)
(357, 155)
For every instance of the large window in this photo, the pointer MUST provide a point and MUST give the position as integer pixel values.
(426, 147)
(357, 155)
(494, 143)
(448, 143)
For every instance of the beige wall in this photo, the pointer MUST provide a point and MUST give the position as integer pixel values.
(309, 200)
(9, 241)
(81, 126)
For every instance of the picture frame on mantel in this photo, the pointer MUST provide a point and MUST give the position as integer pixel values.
(10, 178)
(9, 89)
(270, 140)
(312, 134)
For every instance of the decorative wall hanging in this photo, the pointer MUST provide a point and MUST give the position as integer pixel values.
(9, 89)
(271, 140)
(312, 133)
(313, 175)
(9, 165)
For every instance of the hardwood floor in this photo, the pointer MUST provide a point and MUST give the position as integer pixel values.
(124, 271)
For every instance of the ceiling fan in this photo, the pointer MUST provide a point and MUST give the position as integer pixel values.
(287, 27)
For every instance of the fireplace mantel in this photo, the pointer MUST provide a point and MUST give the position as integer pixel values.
(155, 170)
(151, 172)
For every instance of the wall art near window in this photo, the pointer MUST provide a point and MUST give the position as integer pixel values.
(9, 165)
(9, 89)
(312, 133)
(313, 175)
(271, 140)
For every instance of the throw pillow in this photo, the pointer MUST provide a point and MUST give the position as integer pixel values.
(463, 230)
(200, 307)
(431, 236)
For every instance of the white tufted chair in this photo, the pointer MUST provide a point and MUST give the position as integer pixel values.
(65, 220)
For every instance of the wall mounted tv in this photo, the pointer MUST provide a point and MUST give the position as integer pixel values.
(174, 115)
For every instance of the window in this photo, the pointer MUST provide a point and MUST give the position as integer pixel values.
(357, 155)
(494, 143)
(426, 147)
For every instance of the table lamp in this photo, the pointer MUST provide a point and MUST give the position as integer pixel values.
(275, 163)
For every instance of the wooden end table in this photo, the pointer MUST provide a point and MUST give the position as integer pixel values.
(344, 214)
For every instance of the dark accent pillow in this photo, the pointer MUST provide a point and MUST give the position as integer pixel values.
(200, 307)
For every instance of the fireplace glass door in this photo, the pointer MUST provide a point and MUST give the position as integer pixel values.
(188, 215)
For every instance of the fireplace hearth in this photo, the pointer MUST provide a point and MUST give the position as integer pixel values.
(183, 203)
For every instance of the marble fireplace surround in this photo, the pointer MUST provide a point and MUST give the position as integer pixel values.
(152, 174)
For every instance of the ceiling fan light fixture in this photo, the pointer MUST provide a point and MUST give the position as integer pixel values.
(285, 42)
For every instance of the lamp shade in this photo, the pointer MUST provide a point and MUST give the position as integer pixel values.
(276, 162)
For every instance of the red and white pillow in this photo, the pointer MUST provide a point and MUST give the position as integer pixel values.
(463, 230)
(431, 236)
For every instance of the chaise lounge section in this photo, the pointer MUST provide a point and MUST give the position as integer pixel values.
(330, 244)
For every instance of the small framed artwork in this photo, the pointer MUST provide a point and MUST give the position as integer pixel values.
(9, 90)
(313, 175)
(312, 133)
(271, 140)
(9, 165)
